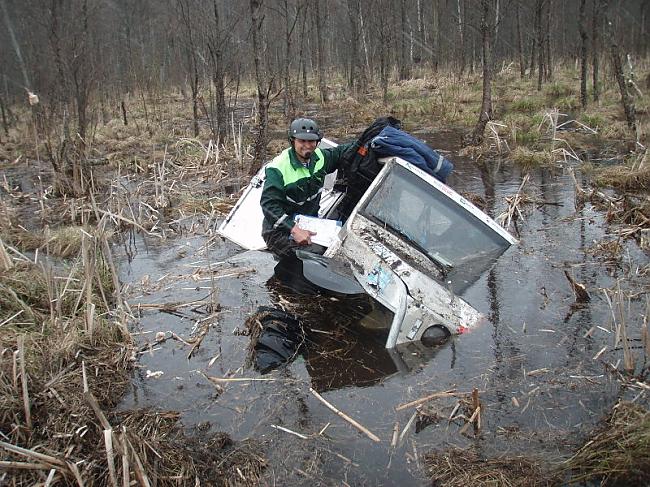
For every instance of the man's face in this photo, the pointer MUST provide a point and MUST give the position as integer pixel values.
(304, 148)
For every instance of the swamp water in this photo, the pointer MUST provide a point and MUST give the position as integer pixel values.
(533, 362)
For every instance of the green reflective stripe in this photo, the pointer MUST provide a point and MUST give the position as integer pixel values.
(291, 174)
(320, 162)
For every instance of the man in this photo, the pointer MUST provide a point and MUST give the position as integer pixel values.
(293, 185)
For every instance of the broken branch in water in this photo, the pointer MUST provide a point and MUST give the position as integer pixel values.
(475, 418)
(513, 211)
(450, 392)
(217, 380)
(407, 427)
(347, 418)
(287, 430)
(580, 290)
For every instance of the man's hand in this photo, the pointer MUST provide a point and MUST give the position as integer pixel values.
(301, 236)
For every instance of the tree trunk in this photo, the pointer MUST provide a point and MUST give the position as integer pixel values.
(303, 61)
(290, 25)
(540, 43)
(461, 38)
(520, 44)
(547, 41)
(533, 53)
(435, 36)
(404, 64)
(192, 61)
(5, 123)
(582, 24)
(422, 38)
(322, 88)
(259, 148)
(497, 20)
(626, 99)
(595, 47)
(384, 47)
(486, 105)
(218, 76)
(367, 72)
(639, 33)
(353, 11)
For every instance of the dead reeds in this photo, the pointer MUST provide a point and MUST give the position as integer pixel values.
(460, 468)
(627, 329)
(619, 451)
(64, 365)
(513, 213)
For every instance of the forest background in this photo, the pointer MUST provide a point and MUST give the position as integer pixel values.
(197, 95)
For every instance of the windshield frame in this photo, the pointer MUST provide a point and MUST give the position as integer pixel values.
(456, 209)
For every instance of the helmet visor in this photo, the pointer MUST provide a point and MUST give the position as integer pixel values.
(307, 136)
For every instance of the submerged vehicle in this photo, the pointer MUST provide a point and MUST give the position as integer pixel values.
(410, 242)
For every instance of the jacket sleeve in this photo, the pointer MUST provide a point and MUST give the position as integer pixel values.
(273, 199)
(335, 156)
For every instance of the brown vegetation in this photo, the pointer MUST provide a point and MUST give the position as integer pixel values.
(618, 453)
(460, 468)
(147, 162)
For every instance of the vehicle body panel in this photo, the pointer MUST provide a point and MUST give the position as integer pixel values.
(413, 244)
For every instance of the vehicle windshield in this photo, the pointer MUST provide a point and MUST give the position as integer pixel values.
(436, 224)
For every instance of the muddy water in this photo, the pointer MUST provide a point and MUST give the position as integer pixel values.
(533, 363)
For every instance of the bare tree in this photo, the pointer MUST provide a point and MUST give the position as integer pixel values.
(5, 123)
(617, 65)
(404, 64)
(354, 80)
(461, 38)
(191, 58)
(539, 12)
(582, 24)
(520, 42)
(263, 89)
(548, 64)
(216, 40)
(435, 36)
(69, 35)
(302, 53)
(384, 51)
(320, 56)
(597, 23)
(291, 16)
(487, 30)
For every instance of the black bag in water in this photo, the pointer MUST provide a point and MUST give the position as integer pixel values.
(280, 340)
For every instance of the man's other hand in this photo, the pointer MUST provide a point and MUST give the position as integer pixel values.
(301, 236)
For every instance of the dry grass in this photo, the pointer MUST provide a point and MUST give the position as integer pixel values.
(62, 242)
(529, 158)
(462, 468)
(625, 178)
(618, 453)
(63, 369)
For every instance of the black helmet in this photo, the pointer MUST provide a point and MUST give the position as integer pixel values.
(305, 129)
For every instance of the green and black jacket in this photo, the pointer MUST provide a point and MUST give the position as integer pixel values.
(292, 188)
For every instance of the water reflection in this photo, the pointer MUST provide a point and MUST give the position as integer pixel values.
(341, 337)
